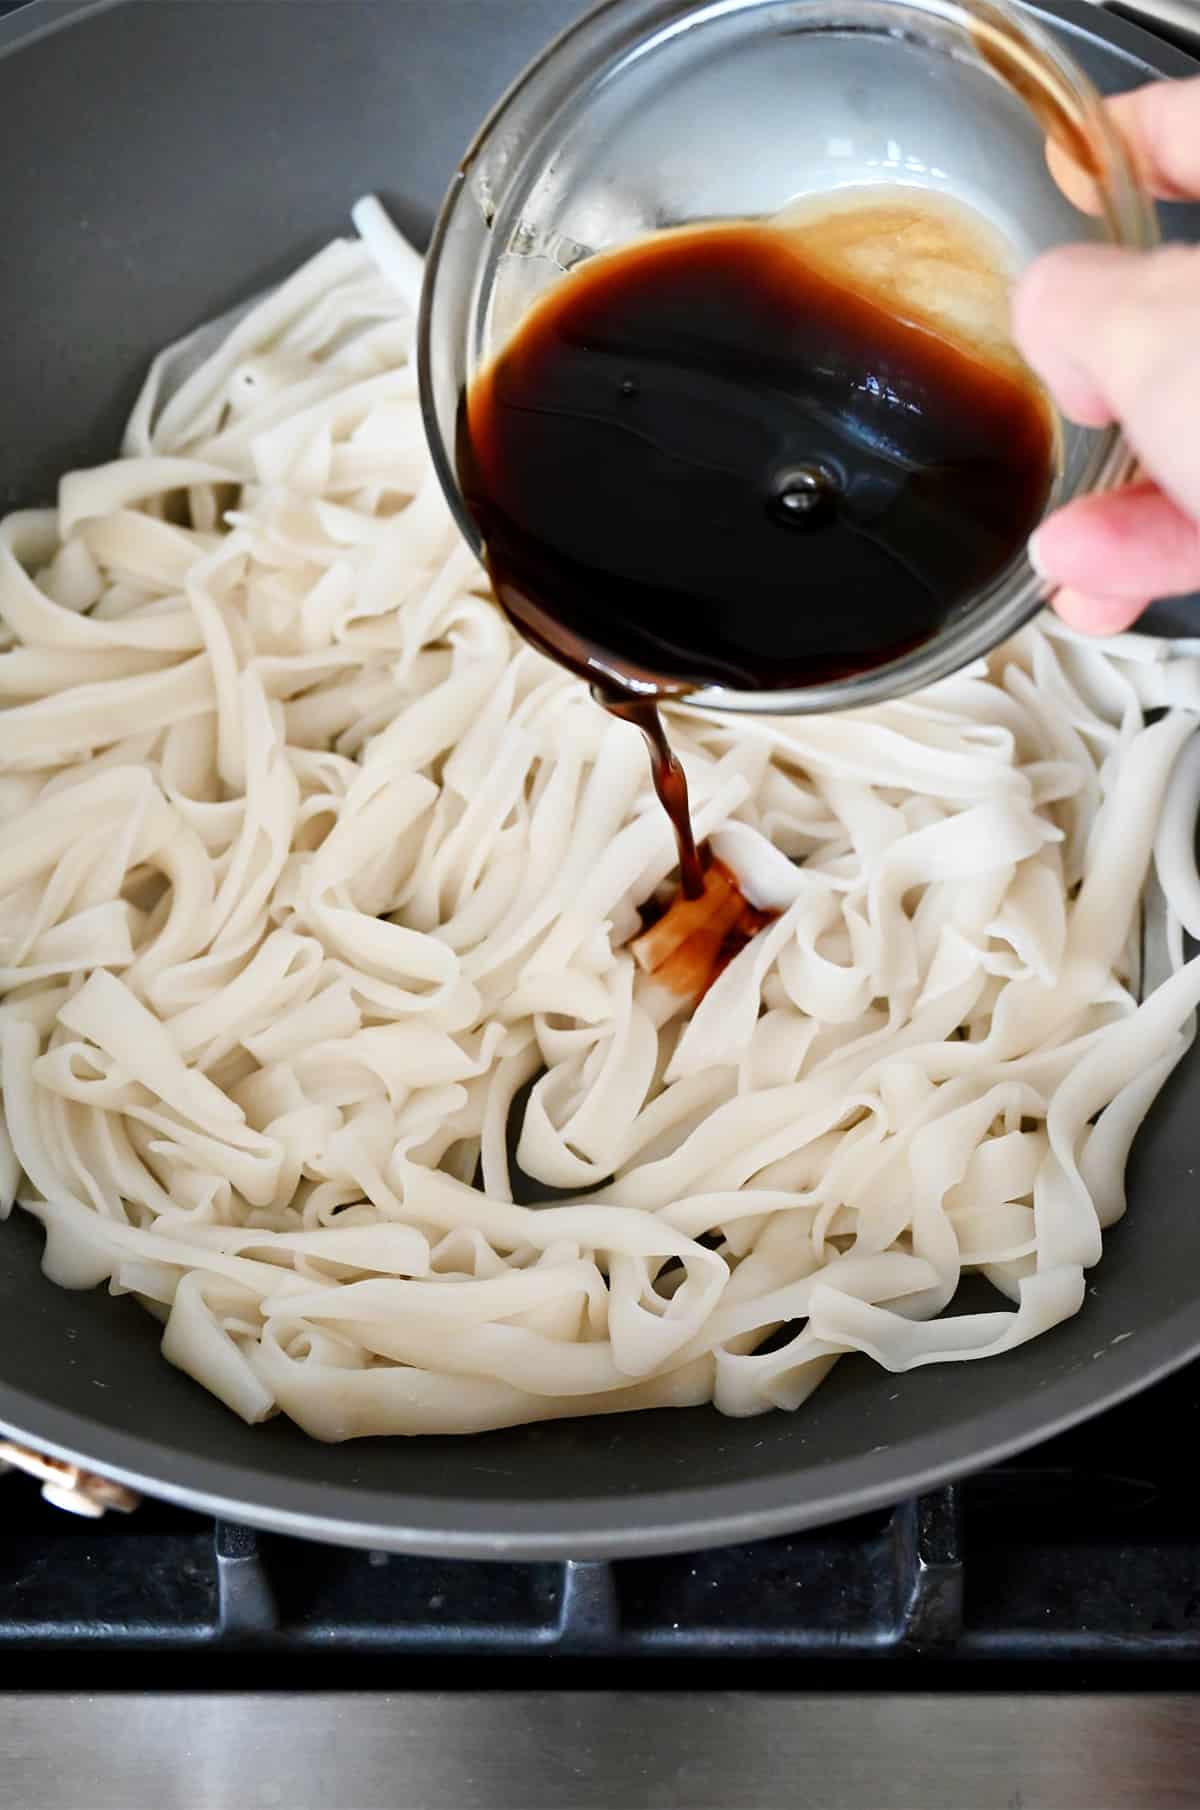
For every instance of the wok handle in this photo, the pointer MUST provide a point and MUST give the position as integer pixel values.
(66, 1485)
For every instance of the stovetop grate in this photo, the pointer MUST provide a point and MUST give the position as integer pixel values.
(1056, 1558)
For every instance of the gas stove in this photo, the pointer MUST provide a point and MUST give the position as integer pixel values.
(1077, 1565)
(1025, 1637)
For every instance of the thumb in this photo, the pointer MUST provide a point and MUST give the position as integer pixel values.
(1160, 124)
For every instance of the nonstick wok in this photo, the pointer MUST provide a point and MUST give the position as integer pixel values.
(161, 163)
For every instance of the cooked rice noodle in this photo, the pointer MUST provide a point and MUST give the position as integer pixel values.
(310, 866)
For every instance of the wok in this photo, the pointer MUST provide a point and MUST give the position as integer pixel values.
(161, 163)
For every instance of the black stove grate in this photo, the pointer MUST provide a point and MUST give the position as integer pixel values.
(1055, 1558)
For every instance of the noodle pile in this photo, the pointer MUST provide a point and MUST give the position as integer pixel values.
(309, 866)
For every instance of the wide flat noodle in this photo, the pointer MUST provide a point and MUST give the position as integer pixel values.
(312, 875)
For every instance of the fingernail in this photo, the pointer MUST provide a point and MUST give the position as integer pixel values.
(1035, 556)
(1095, 615)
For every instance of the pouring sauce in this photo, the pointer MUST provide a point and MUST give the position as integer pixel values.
(756, 455)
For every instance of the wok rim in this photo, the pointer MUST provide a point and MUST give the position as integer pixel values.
(577, 1527)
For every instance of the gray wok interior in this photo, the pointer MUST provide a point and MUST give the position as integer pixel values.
(161, 162)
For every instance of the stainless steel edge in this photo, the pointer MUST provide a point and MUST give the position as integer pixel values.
(598, 1751)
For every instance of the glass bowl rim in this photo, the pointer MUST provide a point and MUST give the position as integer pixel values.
(978, 629)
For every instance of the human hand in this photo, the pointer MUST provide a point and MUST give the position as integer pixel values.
(1115, 336)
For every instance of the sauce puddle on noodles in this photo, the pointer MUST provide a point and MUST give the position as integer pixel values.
(310, 867)
(688, 942)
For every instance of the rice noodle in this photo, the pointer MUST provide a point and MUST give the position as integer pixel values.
(308, 866)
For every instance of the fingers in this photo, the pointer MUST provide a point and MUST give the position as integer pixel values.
(1112, 554)
(1124, 547)
(1113, 335)
(1097, 615)
(1160, 124)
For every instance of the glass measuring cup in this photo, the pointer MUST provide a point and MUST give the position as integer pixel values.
(652, 114)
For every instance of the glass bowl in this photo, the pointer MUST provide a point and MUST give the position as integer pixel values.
(651, 114)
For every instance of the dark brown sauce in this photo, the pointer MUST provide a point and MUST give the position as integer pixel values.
(670, 781)
(708, 459)
(687, 943)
